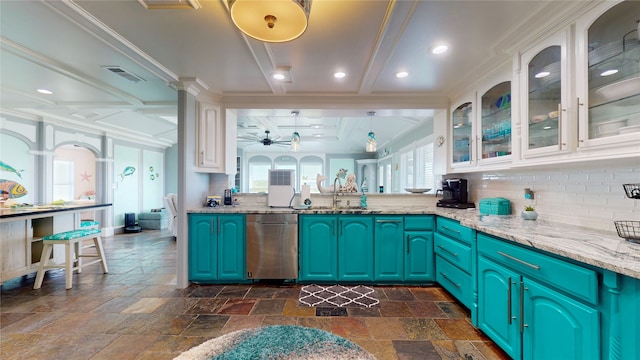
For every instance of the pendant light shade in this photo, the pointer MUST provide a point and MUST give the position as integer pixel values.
(372, 145)
(295, 137)
(295, 141)
(271, 20)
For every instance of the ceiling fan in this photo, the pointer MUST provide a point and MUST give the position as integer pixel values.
(266, 141)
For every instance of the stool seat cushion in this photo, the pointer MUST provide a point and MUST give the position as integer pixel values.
(88, 223)
(72, 234)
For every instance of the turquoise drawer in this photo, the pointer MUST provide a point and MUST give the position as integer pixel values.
(580, 282)
(456, 281)
(456, 252)
(419, 222)
(453, 229)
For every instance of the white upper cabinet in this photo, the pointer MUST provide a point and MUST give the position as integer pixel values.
(494, 137)
(216, 140)
(545, 119)
(608, 80)
(480, 126)
(462, 136)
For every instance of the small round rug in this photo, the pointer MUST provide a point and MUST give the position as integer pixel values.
(277, 342)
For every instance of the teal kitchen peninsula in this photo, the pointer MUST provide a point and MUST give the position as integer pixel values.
(532, 286)
(22, 229)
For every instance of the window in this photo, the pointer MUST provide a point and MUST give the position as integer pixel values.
(310, 167)
(384, 174)
(62, 180)
(259, 167)
(416, 164)
(424, 166)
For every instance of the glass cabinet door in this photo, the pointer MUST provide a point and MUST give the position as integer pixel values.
(614, 72)
(461, 123)
(496, 121)
(545, 96)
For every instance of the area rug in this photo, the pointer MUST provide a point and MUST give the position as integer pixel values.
(277, 342)
(338, 296)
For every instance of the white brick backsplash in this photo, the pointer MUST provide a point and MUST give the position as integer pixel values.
(587, 195)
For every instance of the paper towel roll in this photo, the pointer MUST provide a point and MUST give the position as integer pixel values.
(305, 193)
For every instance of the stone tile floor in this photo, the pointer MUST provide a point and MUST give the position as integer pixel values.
(136, 312)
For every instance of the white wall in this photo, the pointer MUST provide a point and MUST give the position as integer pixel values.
(585, 194)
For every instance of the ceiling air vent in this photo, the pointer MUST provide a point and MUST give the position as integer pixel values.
(124, 73)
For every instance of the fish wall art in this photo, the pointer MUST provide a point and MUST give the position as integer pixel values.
(128, 171)
(6, 167)
(153, 176)
(10, 189)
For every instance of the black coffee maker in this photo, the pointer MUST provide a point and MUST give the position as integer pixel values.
(454, 194)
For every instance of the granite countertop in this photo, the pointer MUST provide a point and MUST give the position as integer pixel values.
(600, 248)
(7, 214)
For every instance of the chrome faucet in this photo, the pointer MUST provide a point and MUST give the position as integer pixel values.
(335, 192)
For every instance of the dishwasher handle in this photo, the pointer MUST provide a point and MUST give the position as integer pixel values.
(273, 223)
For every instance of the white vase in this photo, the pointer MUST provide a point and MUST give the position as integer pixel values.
(529, 215)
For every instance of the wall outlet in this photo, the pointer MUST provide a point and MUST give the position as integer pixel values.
(528, 194)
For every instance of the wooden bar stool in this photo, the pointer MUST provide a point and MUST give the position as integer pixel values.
(73, 253)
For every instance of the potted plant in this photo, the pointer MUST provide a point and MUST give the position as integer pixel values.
(529, 213)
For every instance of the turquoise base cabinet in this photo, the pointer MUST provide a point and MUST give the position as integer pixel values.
(217, 247)
(389, 248)
(366, 248)
(318, 248)
(455, 249)
(336, 248)
(535, 306)
(355, 248)
(404, 248)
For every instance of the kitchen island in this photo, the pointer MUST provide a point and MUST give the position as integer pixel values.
(22, 229)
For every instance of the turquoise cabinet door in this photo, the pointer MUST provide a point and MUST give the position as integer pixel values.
(419, 259)
(557, 327)
(318, 248)
(499, 306)
(355, 248)
(231, 247)
(389, 248)
(202, 247)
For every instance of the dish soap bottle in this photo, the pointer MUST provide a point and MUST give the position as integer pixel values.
(363, 201)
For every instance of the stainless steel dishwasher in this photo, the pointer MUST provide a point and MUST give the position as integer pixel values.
(272, 246)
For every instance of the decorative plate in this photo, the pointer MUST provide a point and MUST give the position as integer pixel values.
(417, 191)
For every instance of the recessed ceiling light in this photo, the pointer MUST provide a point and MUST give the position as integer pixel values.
(439, 49)
(542, 74)
(339, 75)
(402, 74)
(45, 91)
(282, 73)
(609, 72)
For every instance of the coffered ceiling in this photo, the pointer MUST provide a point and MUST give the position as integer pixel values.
(112, 65)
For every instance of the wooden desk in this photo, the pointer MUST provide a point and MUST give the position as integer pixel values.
(22, 229)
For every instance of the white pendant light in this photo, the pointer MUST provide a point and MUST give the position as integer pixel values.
(371, 137)
(295, 137)
(271, 20)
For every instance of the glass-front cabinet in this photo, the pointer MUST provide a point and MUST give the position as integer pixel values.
(495, 122)
(545, 97)
(608, 76)
(462, 134)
